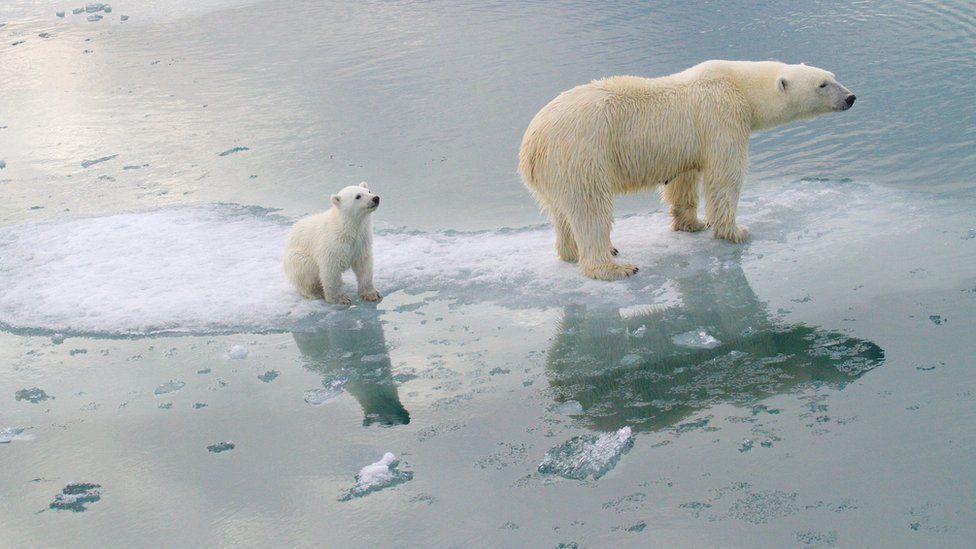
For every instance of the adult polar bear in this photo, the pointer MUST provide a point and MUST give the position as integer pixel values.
(625, 133)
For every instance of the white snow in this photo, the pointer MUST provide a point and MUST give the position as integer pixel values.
(587, 455)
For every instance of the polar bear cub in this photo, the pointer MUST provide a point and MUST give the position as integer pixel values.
(321, 247)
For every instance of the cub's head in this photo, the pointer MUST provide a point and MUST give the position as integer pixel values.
(809, 91)
(356, 200)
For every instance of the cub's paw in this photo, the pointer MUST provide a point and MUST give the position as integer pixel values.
(736, 234)
(341, 299)
(609, 270)
(370, 296)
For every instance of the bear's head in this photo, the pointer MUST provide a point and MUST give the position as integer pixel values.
(356, 200)
(809, 91)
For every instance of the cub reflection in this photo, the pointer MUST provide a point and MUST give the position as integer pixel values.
(651, 369)
(351, 352)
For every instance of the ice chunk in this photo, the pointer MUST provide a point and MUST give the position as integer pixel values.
(32, 395)
(75, 495)
(57, 339)
(696, 339)
(232, 151)
(268, 376)
(377, 476)
(87, 163)
(76, 11)
(587, 455)
(8, 434)
(94, 17)
(318, 397)
(237, 352)
(124, 18)
(221, 447)
(169, 387)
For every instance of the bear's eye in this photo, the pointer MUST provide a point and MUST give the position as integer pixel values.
(824, 85)
(358, 196)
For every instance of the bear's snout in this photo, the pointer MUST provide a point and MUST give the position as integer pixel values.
(376, 199)
(849, 100)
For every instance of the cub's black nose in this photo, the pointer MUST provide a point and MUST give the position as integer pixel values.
(850, 100)
(376, 200)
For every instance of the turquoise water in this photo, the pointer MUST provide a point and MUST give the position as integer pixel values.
(813, 387)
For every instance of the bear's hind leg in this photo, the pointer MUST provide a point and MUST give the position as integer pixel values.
(682, 194)
(565, 243)
(304, 274)
(591, 223)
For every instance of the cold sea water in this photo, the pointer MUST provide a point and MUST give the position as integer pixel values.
(161, 385)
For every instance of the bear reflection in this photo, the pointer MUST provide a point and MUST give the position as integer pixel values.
(651, 369)
(351, 352)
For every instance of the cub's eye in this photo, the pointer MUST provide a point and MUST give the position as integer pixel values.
(358, 196)
(824, 85)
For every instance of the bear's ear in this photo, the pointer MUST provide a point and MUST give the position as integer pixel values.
(781, 83)
(335, 199)
(364, 185)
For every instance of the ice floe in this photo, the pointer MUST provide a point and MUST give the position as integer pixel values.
(377, 476)
(587, 455)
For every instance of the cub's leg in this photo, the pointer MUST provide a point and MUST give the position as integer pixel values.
(303, 273)
(331, 279)
(363, 267)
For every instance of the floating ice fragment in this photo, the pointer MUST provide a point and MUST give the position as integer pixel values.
(234, 150)
(8, 434)
(639, 332)
(94, 17)
(59, 13)
(124, 18)
(32, 395)
(587, 455)
(318, 397)
(938, 319)
(169, 387)
(75, 495)
(374, 358)
(568, 408)
(57, 339)
(76, 11)
(87, 163)
(746, 445)
(221, 447)
(268, 376)
(696, 339)
(377, 476)
(237, 352)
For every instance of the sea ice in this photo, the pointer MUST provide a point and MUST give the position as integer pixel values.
(318, 397)
(696, 339)
(8, 434)
(237, 352)
(221, 447)
(169, 387)
(377, 476)
(75, 495)
(32, 395)
(87, 163)
(587, 455)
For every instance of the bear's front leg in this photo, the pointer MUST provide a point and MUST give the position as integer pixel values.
(332, 286)
(723, 183)
(363, 267)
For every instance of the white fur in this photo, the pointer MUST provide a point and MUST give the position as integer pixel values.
(321, 247)
(686, 131)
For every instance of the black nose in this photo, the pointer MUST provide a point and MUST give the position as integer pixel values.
(850, 99)
(376, 200)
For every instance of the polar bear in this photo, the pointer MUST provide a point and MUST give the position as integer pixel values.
(683, 131)
(321, 247)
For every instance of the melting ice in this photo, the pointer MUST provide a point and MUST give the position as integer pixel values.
(587, 455)
(377, 476)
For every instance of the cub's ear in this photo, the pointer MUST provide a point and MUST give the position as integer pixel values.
(781, 83)
(363, 185)
(335, 199)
